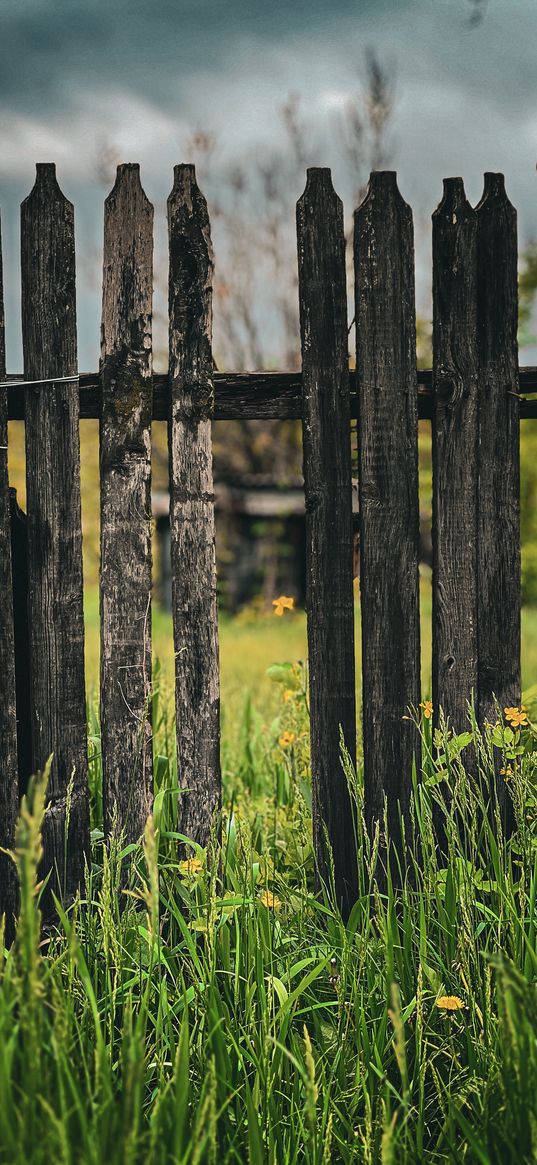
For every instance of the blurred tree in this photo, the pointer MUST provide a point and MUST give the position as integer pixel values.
(252, 205)
(527, 290)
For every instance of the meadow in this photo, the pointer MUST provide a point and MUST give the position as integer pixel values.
(214, 1009)
(251, 642)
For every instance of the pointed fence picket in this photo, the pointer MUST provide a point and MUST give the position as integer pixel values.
(388, 483)
(455, 455)
(55, 599)
(192, 526)
(498, 504)
(125, 467)
(472, 396)
(327, 483)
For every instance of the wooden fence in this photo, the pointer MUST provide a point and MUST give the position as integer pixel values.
(471, 395)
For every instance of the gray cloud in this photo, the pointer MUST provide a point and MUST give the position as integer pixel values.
(48, 49)
(142, 75)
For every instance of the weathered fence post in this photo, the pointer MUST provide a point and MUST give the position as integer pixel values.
(327, 480)
(455, 455)
(498, 507)
(389, 505)
(55, 605)
(125, 466)
(195, 623)
(19, 573)
(8, 717)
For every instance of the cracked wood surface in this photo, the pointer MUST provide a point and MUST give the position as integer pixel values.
(327, 483)
(125, 466)
(498, 505)
(8, 710)
(388, 490)
(455, 455)
(55, 599)
(259, 396)
(192, 523)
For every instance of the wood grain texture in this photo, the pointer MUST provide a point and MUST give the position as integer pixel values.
(388, 491)
(327, 482)
(55, 608)
(125, 468)
(23, 671)
(455, 455)
(498, 510)
(195, 622)
(258, 396)
(8, 714)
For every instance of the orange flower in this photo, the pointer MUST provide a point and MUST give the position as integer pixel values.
(268, 899)
(427, 706)
(190, 867)
(284, 603)
(450, 1003)
(517, 717)
(286, 739)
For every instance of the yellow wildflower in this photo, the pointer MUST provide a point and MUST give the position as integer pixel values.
(288, 694)
(517, 717)
(283, 603)
(190, 867)
(427, 706)
(286, 739)
(507, 772)
(450, 1003)
(270, 900)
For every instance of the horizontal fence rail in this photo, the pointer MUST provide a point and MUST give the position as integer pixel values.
(475, 396)
(258, 396)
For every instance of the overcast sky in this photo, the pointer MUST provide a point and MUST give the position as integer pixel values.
(141, 75)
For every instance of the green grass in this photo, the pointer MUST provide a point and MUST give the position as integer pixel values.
(250, 644)
(223, 1012)
(198, 1019)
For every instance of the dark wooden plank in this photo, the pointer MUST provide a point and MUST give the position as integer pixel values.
(55, 610)
(8, 715)
(327, 481)
(255, 396)
(455, 449)
(125, 468)
(19, 571)
(195, 622)
(498, 561)
(388, 487)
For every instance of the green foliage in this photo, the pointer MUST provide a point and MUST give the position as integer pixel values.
(217, 1010)
(528, 510)
(527, 288)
